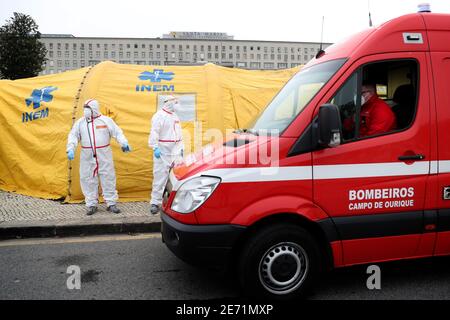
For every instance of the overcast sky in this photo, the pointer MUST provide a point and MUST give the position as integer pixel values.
(280, 20)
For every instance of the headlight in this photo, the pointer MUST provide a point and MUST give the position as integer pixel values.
(193, 193)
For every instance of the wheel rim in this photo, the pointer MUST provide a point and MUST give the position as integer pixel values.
(283, 268)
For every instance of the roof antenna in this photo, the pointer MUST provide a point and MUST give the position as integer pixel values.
(321, 51)
(370, 16)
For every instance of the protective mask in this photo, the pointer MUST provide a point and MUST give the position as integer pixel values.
(170, 106)
(88, 113)
(176, 107)
(363, 100)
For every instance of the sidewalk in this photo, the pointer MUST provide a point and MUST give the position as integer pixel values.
(27, 217)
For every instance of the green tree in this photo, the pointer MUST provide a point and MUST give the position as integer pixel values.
(22, 55)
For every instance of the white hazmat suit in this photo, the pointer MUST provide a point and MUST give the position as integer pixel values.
(94, 131)
(165, 136)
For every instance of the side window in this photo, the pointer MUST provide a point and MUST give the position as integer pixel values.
(378, 98)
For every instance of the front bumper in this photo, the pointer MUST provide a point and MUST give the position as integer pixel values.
(201, 245)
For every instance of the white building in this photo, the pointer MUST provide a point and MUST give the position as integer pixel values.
(66, 52)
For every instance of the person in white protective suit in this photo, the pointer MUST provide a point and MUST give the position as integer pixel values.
(94, 131)
(166, 140)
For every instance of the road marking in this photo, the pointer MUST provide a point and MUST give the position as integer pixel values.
(31, 242)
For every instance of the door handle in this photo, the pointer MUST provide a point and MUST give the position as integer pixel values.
(414, 157)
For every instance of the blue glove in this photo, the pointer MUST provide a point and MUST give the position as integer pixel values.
(157, 153)
(70, 155)
(126, 148)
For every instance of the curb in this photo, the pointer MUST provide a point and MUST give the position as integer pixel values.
(50, 229)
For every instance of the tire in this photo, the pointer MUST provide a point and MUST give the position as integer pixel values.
(279, 262)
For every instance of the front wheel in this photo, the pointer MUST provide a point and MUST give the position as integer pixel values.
(279, 262)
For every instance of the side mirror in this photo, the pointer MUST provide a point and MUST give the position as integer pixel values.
(329, 122)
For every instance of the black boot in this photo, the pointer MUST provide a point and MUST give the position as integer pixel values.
(113, 209)
(91, 211)
(154, 209)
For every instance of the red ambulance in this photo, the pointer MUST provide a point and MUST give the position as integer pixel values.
(328, 197)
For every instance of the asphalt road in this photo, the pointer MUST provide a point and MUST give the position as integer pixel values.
(141, 267)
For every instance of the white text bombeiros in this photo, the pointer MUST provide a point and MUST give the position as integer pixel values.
(395, 198)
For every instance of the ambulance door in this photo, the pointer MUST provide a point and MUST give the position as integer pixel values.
(441, 75)
(373, 187)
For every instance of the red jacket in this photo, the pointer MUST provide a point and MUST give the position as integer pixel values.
(376, 117)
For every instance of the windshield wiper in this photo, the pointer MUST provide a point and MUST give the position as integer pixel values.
(249, 131)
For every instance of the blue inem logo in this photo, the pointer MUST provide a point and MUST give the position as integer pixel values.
(156, 77)
(38, 96)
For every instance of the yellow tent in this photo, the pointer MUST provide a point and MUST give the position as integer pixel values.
(36, 115)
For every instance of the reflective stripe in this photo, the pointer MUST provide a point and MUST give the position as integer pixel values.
(368, 170)
(169, 140)
(322, 172)
(96, 147)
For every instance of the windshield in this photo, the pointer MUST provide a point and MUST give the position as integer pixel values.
(293, 98)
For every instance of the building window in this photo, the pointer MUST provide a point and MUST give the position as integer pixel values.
(180, 55)
(113, 54)
(255, 65)
(105, 54)
(230, 56)
(136, 46)
(143, 46)
(209, 56)
(258, 56)
(158, 55)
(59, 54)
(90, 46)
(120, 46)
(98, 45)
(67, 46)
(97, 54)
(180, 48)
(202, 48)
(209, 48)
(128, 55)
(83, 63)
(50, 54)
(66, 54)
(282, 65)
(67, 63)
(195, 47)
(74, 54)
(51, 46)
(136, 55)
(120, 54)
(75, 63)
(143, 55)
(268, 65)
(272, 57)
(223, 55)
(238, 55)
(128, 46)
(150, 55)
(158, 46)
(105, 46)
